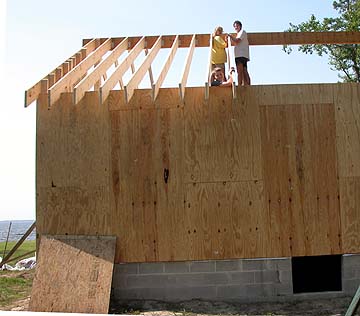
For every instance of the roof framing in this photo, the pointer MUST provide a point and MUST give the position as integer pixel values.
(74, 75)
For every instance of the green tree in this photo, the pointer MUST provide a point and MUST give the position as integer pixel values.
(342, 58)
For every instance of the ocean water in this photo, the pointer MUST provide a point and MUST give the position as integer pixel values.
(18, 229)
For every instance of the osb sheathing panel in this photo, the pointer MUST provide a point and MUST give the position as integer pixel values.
(269, 158)
(84, 286)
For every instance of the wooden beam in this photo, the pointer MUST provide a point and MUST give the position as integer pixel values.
(231, 64)
(119, 71)
(156, 87)
(33, 93)
(208, 70)
(300, 38)
(66, 83)
(139, 74)
(269, 38)
(150, 70)
(100, 70)
(185, 72)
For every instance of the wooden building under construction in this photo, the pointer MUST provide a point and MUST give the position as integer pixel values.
(211, 192)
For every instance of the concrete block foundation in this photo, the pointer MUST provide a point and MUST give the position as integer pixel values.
(241, 279)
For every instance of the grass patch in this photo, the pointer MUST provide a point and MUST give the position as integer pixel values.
(26, 246)
(14, 287)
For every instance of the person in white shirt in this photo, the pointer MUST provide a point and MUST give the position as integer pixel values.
(241, 53)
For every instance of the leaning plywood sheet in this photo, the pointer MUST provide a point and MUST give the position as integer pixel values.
(73, 274)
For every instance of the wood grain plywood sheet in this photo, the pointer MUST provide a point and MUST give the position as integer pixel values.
(295, 94)
(73, 274)
(226, 220)
(72, 143)
(142, 98)
(300, 174)
(350, 214)
(147, 191)
(71, 210)
(222, 136)
(347, 105)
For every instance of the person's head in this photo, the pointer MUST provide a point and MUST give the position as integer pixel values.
(218, 74)
(237, 26)
(218, 31)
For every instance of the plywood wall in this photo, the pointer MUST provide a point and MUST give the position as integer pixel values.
(272, 173)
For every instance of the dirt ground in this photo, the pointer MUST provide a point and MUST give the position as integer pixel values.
(312, 307)
(318, 307)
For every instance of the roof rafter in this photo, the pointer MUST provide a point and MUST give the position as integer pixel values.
(33, 93)
(186, 70)
(65, 84)
(100, 70)
(73, 75)
(121, 69)
(139, 74)
(156, 87)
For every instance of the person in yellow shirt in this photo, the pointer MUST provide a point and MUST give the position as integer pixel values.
(218, 55)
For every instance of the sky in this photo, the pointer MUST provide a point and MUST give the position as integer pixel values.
(38, 35)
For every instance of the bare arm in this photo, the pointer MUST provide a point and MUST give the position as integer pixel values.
(234, 39)
(229, 82)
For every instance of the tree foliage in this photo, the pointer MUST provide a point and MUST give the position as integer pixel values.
(342, 58)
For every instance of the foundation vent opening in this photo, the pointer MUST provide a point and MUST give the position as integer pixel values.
(316, 274)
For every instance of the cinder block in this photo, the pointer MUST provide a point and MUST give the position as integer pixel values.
(242, 277)
(190, 280)
(267, 277)
(126, 268)
(201, 279)
(260, 290)
(350, 286)
(351, 273)
(280, 264)
(231, 292)
(254, 264)
(176, 267)
(119, 281)
(126, 294)
(218, 278)
(181, 294)
(202, 266)
(150, 268)
(350, 261)
(149, 281)
(283, 289)
(285, 276)
(228, 265)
